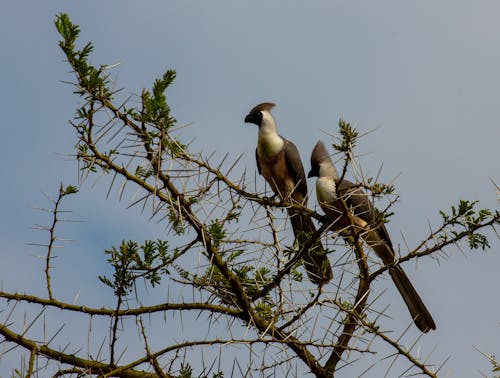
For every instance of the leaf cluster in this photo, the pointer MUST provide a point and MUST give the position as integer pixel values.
(155, 109)
(252, 279)
(93, 81)
(465, 220)
(131, 261)
(348, 137)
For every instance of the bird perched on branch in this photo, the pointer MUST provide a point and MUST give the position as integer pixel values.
(278, 160)
(337, 198)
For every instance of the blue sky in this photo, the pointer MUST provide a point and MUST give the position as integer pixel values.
(424, 75)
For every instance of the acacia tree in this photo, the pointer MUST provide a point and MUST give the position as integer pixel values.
(227, 244)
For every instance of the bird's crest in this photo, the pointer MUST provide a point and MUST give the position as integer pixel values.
(264, 106)
(319, 154)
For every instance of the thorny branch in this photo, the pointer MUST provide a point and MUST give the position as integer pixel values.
(91, 366)
(52, 234)
(350, 324)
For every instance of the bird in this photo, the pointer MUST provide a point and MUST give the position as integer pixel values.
(278, 160)
(331, 189)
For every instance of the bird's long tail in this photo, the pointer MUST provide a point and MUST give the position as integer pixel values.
(315, 260)
(421, 316)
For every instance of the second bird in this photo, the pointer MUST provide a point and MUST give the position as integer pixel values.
(329, 192)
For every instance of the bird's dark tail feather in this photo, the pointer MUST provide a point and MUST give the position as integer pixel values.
(315, 260)
(421, 316)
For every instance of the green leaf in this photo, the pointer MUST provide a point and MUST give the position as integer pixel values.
(67, 30)
(155, 108)
(348, 137)
(186, 370)
(217, 232)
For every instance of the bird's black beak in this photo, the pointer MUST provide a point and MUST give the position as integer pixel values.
(255, 118)
(314, 172)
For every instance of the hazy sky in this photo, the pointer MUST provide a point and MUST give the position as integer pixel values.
(424, 75)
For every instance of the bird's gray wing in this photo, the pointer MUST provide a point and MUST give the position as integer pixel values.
(294, 164)
(362, 207)
(257, 160)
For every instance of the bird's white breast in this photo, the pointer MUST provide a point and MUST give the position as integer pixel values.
(325, 190)
(269, 144)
